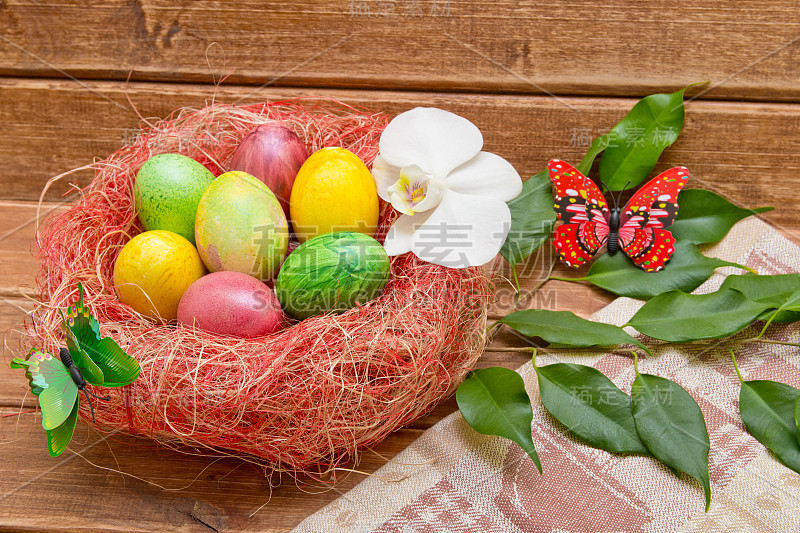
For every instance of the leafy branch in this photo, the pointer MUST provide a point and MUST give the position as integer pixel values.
(659, 418)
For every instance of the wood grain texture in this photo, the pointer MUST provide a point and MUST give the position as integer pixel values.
(18, 268)
(746, 48)
(496, 63)
(120, 483)
(748, 152)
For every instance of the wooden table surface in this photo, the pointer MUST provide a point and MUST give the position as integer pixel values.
(539, 78)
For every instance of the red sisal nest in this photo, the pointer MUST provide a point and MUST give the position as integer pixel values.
(302, 400)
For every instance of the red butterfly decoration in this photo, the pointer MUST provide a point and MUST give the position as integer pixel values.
(638, 228)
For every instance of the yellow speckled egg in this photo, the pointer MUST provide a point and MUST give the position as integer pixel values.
(333, 191)
(153, 271)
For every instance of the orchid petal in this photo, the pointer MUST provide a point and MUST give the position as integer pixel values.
(415, 191)
(400, 234)
(385, 175)
(436, 140)
(465, 230)
(486, 175)
(397, 197)
(433, 195)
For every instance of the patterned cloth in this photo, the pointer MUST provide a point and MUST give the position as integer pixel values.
(454, 480)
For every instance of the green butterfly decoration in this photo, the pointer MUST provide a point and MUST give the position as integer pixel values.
(88, 359)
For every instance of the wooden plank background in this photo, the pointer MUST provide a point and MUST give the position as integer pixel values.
(536, 77)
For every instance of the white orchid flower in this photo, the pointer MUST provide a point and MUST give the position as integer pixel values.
(452, 195)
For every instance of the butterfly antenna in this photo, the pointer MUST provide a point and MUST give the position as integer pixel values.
(88, 399)
(610, 194)
(104, 398)
(619, 195)
(90, 403)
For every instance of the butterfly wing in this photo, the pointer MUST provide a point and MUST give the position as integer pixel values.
(661, 244)
(89, 370)
(118, 367)
(656, 203)
(49, 379)
(101, 360)
(58, 438)
(581, 206)
(653, 208)
(568, 245)
(577, 198)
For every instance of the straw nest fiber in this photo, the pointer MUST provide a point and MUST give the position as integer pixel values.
(303, 400)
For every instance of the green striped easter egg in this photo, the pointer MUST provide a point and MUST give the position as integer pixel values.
(331, 273)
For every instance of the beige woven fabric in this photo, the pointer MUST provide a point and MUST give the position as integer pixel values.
(474, 483)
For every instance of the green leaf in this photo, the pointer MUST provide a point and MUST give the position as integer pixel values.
(789, 308)
(671, 425)
(598, 145)
(686, 271)
(768, 412)
(775, 290)
(532, 219)
(494, 402)
(676, 316)
(705, 217)
(797, 417)
(591, 406)
(637, 141)
(782, 317)
(792, 302)
(564, 327)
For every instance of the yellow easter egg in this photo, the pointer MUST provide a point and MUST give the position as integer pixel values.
(333, 191)
(153, 271)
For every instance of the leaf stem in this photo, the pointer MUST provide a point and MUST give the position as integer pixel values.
(769, 341)
(521, 298)
(508, 349)
(688, 344)
(533, 359)
(761, 333)
(558, 278)
(635, 361)
(541, 283)
(516, 280)
(736, 366)
(745, 267)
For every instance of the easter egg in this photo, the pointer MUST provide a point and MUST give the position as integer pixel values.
(273, 153)
(153, 270)
(240, 226)
(332, 272)
(167, 190)
(333, 191)
(231, 303)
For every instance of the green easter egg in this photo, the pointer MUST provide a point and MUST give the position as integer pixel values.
(166, 193)
(331, 273)
(240, 226)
